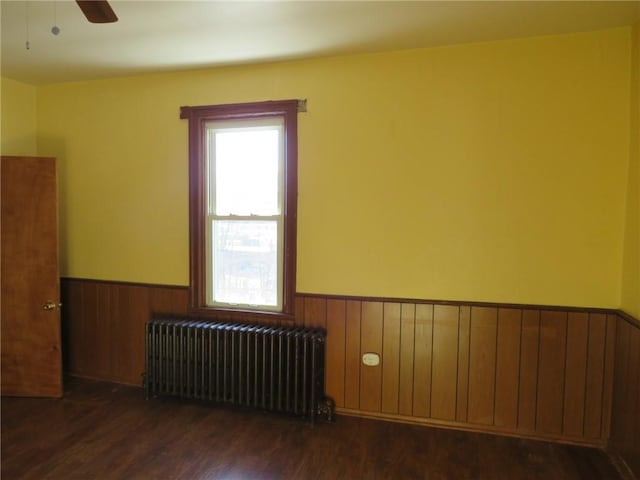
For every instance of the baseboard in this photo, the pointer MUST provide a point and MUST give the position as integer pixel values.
(468, 427)
(105, 378)
(619, 463)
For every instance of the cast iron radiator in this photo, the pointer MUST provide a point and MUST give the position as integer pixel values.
(278, 369)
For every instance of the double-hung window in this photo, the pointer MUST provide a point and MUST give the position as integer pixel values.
(243, 176)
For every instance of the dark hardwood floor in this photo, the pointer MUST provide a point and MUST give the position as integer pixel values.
(107, 431)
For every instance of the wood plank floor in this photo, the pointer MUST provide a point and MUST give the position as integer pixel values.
(107, 431)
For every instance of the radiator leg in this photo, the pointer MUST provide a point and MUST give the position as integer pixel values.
(145, 375)
(327, 409)
(146, 385)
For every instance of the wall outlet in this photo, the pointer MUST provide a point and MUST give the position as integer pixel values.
(371, 359)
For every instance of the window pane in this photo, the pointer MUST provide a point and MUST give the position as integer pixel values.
(245, 262)
(246, 171)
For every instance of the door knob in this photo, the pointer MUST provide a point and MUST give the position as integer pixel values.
(51, 305)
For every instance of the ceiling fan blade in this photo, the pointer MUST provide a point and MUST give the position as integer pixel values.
(97, 11)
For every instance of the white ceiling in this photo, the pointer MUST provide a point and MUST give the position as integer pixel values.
(176, 35)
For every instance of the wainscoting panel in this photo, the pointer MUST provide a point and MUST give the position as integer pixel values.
(352, 357)
(407, 348)
(482, 359)
(523, 371)
(391, 353)
(540, 373)
(462, 400)
(421, 382)
(625, 416)
(371, 341)
(103, 326)
(444, 362)
(507, 370)
(528, 379)
(336, 349)
(551, 372)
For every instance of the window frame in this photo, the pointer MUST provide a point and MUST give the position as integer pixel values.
(198, 118)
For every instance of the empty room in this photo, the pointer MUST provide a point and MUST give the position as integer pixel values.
(320, 240)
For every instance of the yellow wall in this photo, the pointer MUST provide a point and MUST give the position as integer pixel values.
(631, 266)
(18, 118)
(489, 172)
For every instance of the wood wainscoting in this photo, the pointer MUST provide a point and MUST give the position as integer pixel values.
(624, 443)
(103, 326)
(535, 372)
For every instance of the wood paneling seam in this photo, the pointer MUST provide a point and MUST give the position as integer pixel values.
(344, 355)
(564, 376)
(382, 382)
(586, 367)
(455, 414)
(433, 321)
(413, 372)
(535, 410)
(604, 364)
(519, 370)
(495, 367)
(468, 363)
(360, 359)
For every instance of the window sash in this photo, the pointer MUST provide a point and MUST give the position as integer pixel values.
(246, 125)
(242, 125)
(211, 262)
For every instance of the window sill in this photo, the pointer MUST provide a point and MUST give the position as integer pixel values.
(241, 315)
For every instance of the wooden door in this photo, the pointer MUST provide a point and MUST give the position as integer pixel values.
(30, 314)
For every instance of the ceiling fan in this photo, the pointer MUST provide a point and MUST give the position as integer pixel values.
(97, 11)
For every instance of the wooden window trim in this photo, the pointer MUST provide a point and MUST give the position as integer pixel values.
(198, 118)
